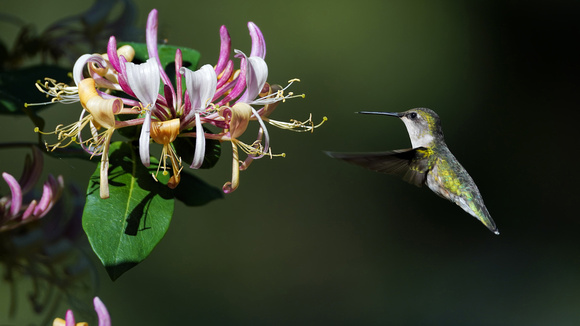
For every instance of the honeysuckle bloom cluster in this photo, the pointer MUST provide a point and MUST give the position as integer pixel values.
(221, 96)
(102, 313)
(14, 211)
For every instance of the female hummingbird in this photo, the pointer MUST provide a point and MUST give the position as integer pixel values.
(429, 162)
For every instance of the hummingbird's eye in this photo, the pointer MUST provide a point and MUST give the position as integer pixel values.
(412, 115)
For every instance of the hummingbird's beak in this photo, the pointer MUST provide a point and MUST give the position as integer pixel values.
(392, 114)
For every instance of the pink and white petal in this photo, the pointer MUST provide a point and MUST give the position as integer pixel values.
(241, 81)
(151, 41)
(16, 201)
(102, 312)
(70, 318)
(81, 62)
(255, 78)
(225, 48)
(112, 54)
(44, 202)
(258, 42)
(226, 73)
(29, 210)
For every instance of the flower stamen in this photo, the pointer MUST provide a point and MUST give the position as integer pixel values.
(164, 133)
(60, 92)
(295, 125)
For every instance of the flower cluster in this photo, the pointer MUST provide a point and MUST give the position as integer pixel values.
(13, 212)
(220, 96)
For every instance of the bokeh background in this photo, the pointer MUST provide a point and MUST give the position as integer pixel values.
(307, 240)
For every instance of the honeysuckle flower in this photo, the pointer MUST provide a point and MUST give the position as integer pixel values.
(223, 97)
(13, 211)
(100, 308)
(201, 87)
(220, 96)
(144, 81)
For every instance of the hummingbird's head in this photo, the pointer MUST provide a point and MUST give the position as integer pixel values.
(423, 125)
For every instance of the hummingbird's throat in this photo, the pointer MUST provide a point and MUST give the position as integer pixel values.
(420, 137)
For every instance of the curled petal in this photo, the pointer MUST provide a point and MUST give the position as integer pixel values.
(258, 42)
(16, 191)
(200, 86)
(256, 76)
(241, 113)
(112, 54)
(103, 111)
(225, 48)
(82, 61)
(144, 80)
(199, 144)
(144, 139)
(102, 313)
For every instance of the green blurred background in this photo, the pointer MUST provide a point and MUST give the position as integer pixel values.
(307, 240)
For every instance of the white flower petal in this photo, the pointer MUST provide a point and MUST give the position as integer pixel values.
(201, 86)
(256, 75)
(144, 81)
(144, 139)
(82, 62)
(199, 144)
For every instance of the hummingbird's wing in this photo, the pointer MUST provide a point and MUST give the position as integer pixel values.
(410, 164)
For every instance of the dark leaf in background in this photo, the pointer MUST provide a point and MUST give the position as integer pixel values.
(17, 87)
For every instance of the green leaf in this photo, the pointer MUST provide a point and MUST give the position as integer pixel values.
(124, 229)
(17, 87)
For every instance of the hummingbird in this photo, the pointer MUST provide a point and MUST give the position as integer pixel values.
(429, 162)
